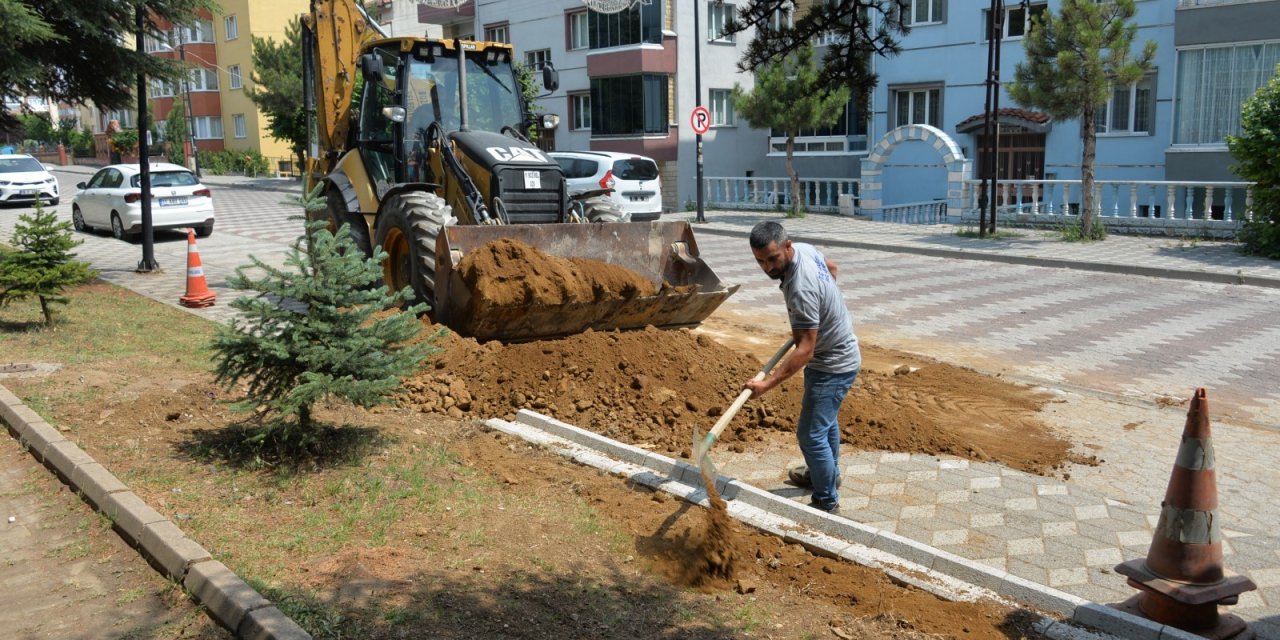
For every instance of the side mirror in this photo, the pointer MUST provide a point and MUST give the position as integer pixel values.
(371, 67)
(550, 77)
(80, 185)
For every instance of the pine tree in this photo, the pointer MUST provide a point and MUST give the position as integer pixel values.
(1073, 61)
(787, 96)
(317, 329)
(43, 266)
(1255, 149)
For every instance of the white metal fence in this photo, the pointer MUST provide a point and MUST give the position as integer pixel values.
(816, 194)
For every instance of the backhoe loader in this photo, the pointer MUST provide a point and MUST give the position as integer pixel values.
(420, 149)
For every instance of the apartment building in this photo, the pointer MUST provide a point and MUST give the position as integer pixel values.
(219, 48)
(627, 84)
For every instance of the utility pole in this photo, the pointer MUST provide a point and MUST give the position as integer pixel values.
(991, 124)
(186, 95)
(148, 263)
(697, 100)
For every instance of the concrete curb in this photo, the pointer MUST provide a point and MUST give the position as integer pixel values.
(1032, 261)
(944, 574)
(228, 599)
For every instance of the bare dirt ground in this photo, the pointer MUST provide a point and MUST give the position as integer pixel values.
(411, 521)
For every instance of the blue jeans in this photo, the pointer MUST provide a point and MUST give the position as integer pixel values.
(819, 431)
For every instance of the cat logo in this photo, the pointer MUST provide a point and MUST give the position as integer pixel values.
(517, 154)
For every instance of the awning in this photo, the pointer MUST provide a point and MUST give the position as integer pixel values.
(1033, 121)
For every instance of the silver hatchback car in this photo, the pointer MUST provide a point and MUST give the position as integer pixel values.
(637, 188)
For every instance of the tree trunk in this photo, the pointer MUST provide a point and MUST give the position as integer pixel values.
(1087, 203)
(791, 171)
(48, 313)
(304, 418)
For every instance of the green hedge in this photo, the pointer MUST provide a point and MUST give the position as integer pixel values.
(218, 163)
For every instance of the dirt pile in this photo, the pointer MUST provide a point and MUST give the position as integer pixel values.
(651, 388)
(510, 273)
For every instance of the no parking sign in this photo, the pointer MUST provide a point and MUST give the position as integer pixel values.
(700, 118)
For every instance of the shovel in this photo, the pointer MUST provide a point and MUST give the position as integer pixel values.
(702, 444)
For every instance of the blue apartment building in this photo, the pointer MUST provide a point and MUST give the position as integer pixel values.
(627, 84)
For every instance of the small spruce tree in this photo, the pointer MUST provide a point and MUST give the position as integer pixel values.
(316, 329)
(43, 266)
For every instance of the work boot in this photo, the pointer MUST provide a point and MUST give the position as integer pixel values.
(799, 476)
(833, 509)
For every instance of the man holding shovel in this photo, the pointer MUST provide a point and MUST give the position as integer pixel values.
(825, 347)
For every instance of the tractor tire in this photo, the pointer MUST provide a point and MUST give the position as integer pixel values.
(407, 230)
(602, 209)
(337, 214)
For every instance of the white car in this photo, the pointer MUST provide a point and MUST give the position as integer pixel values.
(112, 199)
(24, 179)
(637, 189)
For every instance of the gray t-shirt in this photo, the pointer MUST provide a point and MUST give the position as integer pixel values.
(814, 302)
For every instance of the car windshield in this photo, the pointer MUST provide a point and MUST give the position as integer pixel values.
(19, 165)
(167, 179)
(635, 169)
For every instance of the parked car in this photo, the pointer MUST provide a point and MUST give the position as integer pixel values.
(113, 199)
(24, 179)
(637, 189)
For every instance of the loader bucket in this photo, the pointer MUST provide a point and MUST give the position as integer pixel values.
(663, 252)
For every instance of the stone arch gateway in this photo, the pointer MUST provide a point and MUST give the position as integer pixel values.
(958, 167)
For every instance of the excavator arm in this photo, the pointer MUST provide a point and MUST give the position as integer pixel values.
(334, 34)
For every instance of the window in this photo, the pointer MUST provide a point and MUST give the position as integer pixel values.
(580, 108)
(1017, 19)
(1213, 84)
(498, 33)
(722, 108)
(917, 106)
(924, 12)
(578, 30)
(629, 105)
(537, 59)
(1131, 109)
(237, 121)
(158, 42)
(642, 23)
(124, 117)
(207, 127)
(161, 88)
(234, 72)
(204, 79)
(198, 31)
(848, 134)
(231, 27)
(719, 15)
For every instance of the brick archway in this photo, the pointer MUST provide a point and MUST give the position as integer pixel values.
(958, 168)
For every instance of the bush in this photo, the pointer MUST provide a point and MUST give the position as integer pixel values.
(1255, 148)
(220, 163)
(125, 141)
(1072, 230)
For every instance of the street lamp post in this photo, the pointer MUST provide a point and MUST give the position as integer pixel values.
(991, 122)
(148, 263)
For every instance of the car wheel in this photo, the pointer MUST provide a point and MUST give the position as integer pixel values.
(117, 227)
(77, 220)
(204, 231)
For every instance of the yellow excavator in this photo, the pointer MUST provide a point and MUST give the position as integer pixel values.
(419, 147)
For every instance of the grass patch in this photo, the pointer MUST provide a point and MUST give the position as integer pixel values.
(1070, 230)
(998, 234)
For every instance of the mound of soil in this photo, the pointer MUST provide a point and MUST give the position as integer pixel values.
(510, 273)
(651, 388)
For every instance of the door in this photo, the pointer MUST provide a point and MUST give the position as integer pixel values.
(93, 201)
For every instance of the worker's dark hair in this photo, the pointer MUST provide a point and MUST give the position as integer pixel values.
(766, 232)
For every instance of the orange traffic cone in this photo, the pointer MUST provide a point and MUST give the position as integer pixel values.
(198, 293)
(1182, 579)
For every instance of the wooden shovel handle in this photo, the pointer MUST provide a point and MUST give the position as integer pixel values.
(746, 393)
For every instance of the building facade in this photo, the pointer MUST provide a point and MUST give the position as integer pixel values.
(219, 50)
(627, 83)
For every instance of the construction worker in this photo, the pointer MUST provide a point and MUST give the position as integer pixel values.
(826, 348)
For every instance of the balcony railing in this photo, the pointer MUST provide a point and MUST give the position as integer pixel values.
(1182, 200)
(816, 194)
